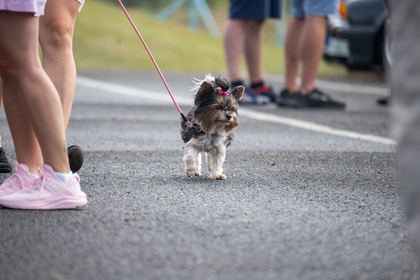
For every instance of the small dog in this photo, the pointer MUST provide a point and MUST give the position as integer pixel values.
(213, 117)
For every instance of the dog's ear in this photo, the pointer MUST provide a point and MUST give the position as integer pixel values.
(238, 92)
(204, 92)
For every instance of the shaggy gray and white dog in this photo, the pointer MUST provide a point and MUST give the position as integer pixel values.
(213, 117)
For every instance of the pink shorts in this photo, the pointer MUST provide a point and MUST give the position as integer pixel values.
(29, 6)
(82, 2)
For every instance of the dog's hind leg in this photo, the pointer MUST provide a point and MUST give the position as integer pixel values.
(192, 160)
(217, 155)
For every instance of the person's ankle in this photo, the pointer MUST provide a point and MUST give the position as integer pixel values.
(306, 92)
(234, 84)
(291, 88)
(257, 84)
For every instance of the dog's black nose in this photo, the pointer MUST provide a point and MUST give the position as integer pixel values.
(228, 117)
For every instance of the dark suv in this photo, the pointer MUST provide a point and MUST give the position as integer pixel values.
(357, 37)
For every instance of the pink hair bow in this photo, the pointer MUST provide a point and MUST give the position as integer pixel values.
(220, 91)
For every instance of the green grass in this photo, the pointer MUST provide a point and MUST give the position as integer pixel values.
(104, 39)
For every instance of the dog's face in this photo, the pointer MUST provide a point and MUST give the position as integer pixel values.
(216, 107)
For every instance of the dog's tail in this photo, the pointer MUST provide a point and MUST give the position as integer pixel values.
(197, 82)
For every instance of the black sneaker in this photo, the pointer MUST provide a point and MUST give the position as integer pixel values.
(286, 98)
(5, 166)
(315, 99)
(76, 158)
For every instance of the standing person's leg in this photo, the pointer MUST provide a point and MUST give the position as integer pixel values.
(312, 48)
(29, 95)
(234, 38)
(236, 33)
(24, 139)
(293, 42)
(253, 50)
(25, 142)
(56, 39)
(313, 32)
(56, 31)
(262, 10)
(292, 48)
(313, 41)
(234, 43)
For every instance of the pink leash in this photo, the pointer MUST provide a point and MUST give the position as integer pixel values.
(187, 122)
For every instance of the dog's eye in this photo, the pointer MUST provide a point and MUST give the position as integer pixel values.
(219, 108)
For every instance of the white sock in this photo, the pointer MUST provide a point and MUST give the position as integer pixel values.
(64, 177)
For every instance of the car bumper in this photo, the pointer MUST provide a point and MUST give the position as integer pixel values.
(351, 45)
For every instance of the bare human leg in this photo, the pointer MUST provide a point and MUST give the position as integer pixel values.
(234, 37)
(314, 33)
(29, 95)
(253, 50)
(56, 31)
(292, 52)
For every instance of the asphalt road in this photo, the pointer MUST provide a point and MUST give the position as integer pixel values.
(309, 194)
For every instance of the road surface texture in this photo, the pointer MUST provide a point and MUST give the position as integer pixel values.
(309, 194)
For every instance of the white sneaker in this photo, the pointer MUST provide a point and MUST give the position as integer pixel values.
(47, 192)
(18, 181)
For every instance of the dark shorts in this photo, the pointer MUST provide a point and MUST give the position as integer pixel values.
(255, 9)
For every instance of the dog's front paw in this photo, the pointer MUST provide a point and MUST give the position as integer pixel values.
(192, 173)
(219, 177)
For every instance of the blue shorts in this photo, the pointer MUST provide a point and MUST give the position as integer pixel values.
(254, 9)
(300, 8)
